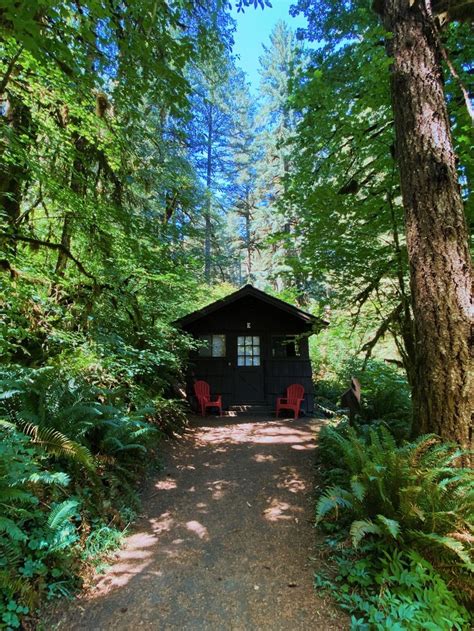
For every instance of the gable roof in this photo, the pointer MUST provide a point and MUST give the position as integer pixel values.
(250, 290)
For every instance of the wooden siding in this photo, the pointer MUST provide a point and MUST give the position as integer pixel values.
(250, 315)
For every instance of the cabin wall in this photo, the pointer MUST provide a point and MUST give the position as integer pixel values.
(249, 316)
(277, 375)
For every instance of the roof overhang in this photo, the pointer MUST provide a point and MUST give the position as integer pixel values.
(249, 290)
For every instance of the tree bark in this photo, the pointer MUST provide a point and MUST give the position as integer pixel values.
(437, 236)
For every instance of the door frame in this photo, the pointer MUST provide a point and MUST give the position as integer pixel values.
(242, 370)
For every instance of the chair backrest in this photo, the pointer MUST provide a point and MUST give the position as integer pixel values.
(202, 390)
(294, 392)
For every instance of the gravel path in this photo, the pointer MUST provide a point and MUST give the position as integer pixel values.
(227, 539)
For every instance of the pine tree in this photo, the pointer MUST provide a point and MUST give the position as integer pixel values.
(276, 123)
(243, 192)
(209, 138)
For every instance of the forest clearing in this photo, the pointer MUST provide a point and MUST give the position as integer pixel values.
(236, 315)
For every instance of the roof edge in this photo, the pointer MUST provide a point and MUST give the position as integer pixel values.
(240, 293)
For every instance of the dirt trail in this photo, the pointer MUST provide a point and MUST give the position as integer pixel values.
(226, 540)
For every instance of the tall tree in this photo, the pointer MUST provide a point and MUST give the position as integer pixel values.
(436, 233)
(209, 138)
(243, 190)
(276, 125)
(436, 229)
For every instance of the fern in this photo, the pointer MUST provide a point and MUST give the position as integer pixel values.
(46, 477)
(358, 489)
(333, 498)
(445, 544)
(57, 444)
(361, 528)
(389, 526)
(10, 528)
(414, 493)
(62, 513)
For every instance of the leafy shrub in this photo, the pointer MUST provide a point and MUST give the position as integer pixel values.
(72, 453)
(385, 393)
(413, 494)
(403, 507)
(38, 527)
(396, 590)
(169, 415)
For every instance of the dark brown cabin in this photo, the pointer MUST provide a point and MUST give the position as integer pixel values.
(254, 346)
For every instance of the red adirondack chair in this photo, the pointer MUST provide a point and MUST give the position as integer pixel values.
(203, 395)
(292, 401)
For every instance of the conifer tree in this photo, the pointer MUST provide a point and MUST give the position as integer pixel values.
(276, 124)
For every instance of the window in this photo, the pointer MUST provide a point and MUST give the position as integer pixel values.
(248, 350)
(285, 346)
(213, 346)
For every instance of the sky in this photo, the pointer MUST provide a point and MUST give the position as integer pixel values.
(253, 29)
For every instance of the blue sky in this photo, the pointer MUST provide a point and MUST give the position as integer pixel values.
(253, 29)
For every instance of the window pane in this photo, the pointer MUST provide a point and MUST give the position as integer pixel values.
(218, 345)
(240, 340)
(285, 346)
(256, 341)
(240, 361)
(205, 349)
(256, 361)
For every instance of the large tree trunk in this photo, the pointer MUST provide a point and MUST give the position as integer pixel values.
(437, 237)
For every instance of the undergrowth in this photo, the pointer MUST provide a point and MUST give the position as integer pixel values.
(398, 517)
(73, 452)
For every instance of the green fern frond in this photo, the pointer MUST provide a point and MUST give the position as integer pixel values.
(11, 530)
(62, 513)
(389, 526)
(58, 444)
(19, 496)
(358, 489)
(333, 498)
(361, 528)
(46, 477)
(452, 546)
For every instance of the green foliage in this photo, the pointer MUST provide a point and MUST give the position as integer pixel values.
(407, 511)
(38, 529)
(59, 495)
(385, 396)
(396, 591)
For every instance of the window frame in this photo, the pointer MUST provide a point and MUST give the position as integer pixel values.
(201, 338)
(251, 356)
(296, 339)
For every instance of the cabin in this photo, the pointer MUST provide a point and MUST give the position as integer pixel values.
(253, 346)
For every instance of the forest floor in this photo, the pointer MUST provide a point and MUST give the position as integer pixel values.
(226, 541)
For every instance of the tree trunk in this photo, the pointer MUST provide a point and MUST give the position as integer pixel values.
(13, 173)
(248, 239)
(437, 237)
(77, 187)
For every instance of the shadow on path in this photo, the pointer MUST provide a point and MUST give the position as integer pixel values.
(226, 540)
